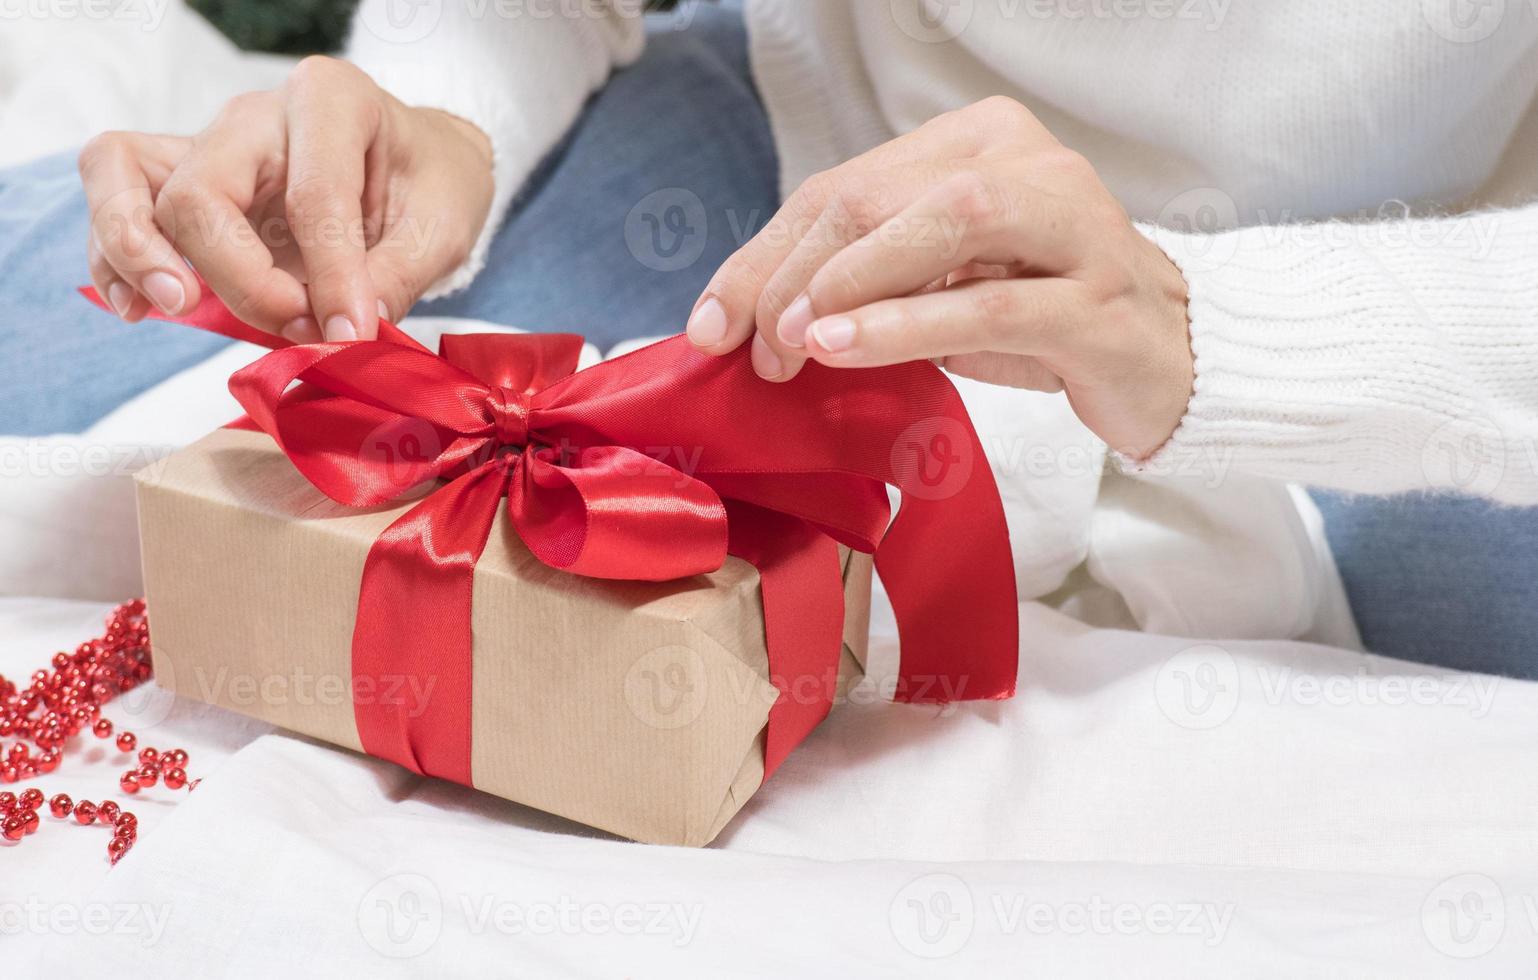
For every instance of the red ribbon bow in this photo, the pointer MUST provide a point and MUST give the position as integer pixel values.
(652, 466)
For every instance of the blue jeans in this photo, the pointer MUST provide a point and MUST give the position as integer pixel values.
(1439, 579)
(670, 168)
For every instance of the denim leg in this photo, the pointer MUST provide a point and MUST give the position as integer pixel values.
(64, 364)
(670, 167)
(1449, 581)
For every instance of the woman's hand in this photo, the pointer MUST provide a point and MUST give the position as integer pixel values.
(317, 207)
(978, 241)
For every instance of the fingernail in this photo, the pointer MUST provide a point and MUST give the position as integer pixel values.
(166, 291)
(795, 321)
(302, 330)
(834, 334)
(121, 297)
(384, 312)
(338, 327)
(707, 327)
(765, 361)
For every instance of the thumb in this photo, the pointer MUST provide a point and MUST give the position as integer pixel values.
(398, 274)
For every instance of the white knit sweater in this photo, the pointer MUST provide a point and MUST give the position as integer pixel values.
(1342, 338)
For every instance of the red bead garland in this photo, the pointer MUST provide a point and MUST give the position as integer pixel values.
(60, 703)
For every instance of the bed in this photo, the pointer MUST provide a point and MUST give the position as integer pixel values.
(1202, 775)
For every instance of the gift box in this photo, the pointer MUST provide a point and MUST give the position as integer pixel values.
(635, 707)
(623, 595)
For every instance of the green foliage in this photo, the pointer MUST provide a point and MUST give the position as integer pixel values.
(295, 26)
(283, 26)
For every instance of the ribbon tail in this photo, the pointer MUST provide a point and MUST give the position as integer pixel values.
(948, 569)
(803, 594)
(412, 642)
(213, 316)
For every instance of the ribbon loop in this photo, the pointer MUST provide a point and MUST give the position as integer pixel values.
(579, 515)
(524, 362)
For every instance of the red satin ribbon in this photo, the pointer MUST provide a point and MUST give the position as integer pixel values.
(652, 466)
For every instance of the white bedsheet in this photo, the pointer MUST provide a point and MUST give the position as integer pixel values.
(1238, 801)
(1148, 804)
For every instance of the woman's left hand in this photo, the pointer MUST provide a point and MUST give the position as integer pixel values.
(978, 241)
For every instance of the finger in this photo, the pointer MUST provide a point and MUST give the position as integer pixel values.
(426, 235)
(1013, 316)
(211, 230)
(398, 272)
(1011, 370)
(784, 312)
(120, 173)
(202, 210)
(970, 221)
(330, 129)
(727, 313)
(123, 298)
(724, 315)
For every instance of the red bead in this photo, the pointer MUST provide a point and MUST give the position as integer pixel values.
(175, 778)
(127, 820)
(147, 777)
(177, 757)
(13, 828)
(60, 701)
(117, 847)
(129, 781)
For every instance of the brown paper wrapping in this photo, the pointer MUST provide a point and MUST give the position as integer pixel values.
(634, 707)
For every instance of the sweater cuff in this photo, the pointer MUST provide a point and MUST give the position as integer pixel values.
(1315, 362)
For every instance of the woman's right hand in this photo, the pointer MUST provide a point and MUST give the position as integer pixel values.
(311, 210)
